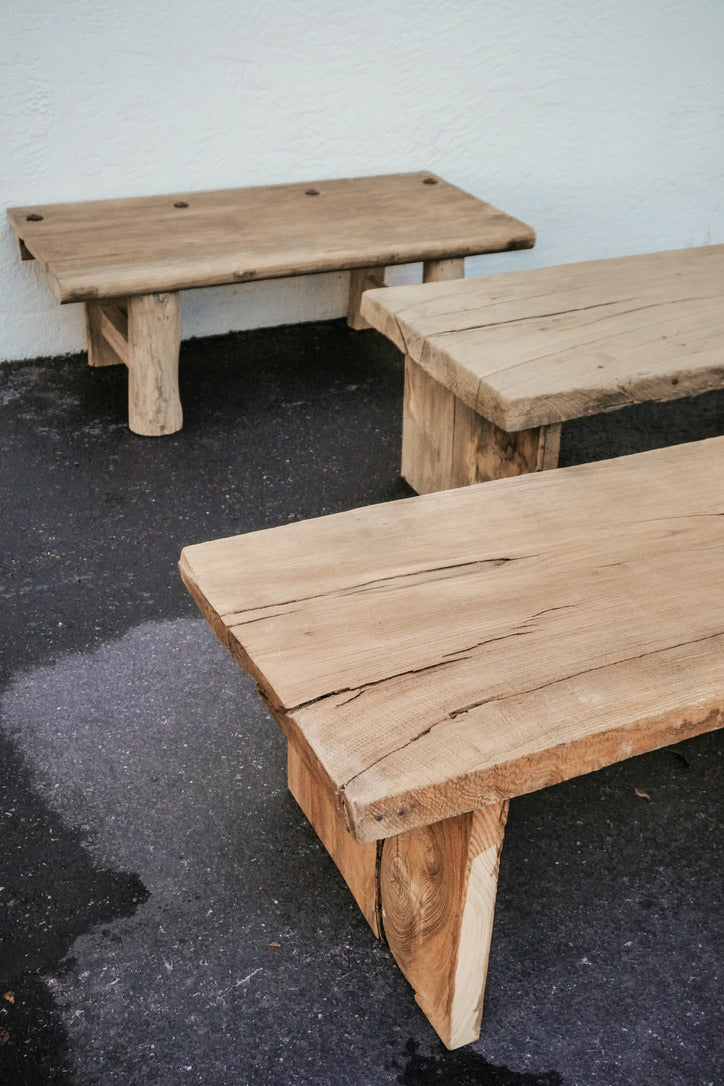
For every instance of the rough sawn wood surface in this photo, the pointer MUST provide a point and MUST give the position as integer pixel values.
(453, 650)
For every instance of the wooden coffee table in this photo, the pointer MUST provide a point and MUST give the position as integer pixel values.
(495, 365)
(128, 259)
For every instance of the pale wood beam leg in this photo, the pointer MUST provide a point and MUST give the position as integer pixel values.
(106, 325)
(357, 863)
(445, 444)
(438, 887)
(154, 340)
(439, 271)
(362, 279)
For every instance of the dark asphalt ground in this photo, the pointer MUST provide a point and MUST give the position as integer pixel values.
(166, 914)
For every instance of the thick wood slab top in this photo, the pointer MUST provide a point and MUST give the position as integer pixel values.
(110, 248)
(440, 653)
(537, 347)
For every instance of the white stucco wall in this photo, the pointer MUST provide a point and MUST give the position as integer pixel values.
(600, 122)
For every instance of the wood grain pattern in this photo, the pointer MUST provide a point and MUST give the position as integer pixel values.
(438, 886)
(114, 328)
(155, 244)
(534, 348)
(445, 444)
(107, 332)
(454, 650)
(154, 337)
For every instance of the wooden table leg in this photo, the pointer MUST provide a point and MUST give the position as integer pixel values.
(445, 444)
(357, 863)
(362, 279)
(154, 340)
(429, 893)
(106, 323)
(439, 271)
(438, 887)
(144, 332)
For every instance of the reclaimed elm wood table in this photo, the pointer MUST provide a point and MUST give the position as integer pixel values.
(430, 659)
(127, 259)
(495, 365)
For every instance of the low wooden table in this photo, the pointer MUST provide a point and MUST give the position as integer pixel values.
(495, 365)
(430, 659)
(127, 259)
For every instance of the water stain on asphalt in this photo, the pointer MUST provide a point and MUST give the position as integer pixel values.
(50, 893)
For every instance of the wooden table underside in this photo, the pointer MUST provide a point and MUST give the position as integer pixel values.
(127, 259)
(494, 366)
(429, 660)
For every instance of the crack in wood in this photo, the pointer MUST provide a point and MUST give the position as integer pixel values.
(424, 575)
(546, 315)
(557, 353)
(462, 654)
(453, 714)
(356, 691)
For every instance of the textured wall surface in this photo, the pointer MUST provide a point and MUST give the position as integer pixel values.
(601, 123)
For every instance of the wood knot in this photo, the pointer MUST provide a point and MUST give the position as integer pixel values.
(415, 884)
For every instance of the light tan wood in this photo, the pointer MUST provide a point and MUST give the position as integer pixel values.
(362, 279)
(438, 887)
(357, 863)
(446, 444)
(118, 249)
(435, 657)
(107, 332)
(535, 348)
(439, 443)
(114, 327)
(154, 244)
(452, 650)
(154, 336)
(440, 271)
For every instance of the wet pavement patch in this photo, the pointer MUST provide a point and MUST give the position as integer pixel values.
(51, 892)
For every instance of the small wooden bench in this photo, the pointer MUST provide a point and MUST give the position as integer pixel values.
(495, 365)
(127, 259)
(432, 658)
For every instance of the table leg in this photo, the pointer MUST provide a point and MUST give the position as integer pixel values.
(154, 340)
(106, 324)
(439, 271)
(362, 279)
(429, 893)
(445, 444)
(357, 863)
(438, 887)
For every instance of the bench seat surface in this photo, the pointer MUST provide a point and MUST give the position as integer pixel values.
(111, 248)
(532, 348)
(444, 652)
